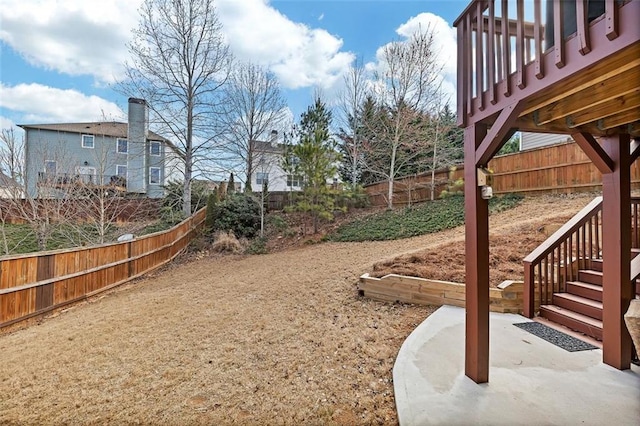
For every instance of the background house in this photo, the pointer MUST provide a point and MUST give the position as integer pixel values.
(530, 140)
(9, 188)
(124, 155)
(268, 167)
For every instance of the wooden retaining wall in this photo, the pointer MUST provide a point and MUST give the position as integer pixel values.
(562, 168)
(506, 298)
(36, 283)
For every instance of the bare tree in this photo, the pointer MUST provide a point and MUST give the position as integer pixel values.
(46, 210)
(446, 142)
(11, 154)
(103, 200)
(351, 102)
(253, 106)
(405, 92)
(180, 63)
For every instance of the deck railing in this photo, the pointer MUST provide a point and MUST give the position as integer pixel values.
(496, 44)
(78, 179)
(556, 261)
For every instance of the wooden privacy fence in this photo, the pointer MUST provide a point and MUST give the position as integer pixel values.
(37, 283)
(562, 168)
(413, 189)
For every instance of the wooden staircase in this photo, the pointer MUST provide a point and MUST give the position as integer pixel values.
(563, 277)
(579, 307)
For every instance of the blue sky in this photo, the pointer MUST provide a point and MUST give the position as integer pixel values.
(59, 58)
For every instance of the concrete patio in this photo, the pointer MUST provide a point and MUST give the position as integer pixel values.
(531, 381)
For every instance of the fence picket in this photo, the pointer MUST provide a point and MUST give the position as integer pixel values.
(37, 283)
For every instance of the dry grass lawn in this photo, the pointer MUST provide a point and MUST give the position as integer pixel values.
(281, 338)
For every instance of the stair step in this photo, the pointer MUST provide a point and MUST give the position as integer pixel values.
(590, 276)
(573, 320)
(582, 305)
(586, 290)
(596, 265)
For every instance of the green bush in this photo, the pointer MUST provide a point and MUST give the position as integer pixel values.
(211, 205)
(276, 223)
(258, 246)
(239, 213)
(352, 197)
(172, 202)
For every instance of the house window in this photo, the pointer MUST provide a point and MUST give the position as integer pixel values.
(50, 168)
(154, 148)
(122, 146)
(121, 171)
(87, 141)
(294, 180)
(120, 178)
(154, 175)
(261, 178)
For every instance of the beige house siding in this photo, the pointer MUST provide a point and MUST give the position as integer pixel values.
(537, 140)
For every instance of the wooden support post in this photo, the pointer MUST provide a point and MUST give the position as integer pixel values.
(477, 262)
(617, 290)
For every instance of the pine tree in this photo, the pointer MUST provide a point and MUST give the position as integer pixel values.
(314, 158)
(231, 186)
(211, 204)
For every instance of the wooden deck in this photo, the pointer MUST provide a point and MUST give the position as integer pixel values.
(590, 83)
(575, 72)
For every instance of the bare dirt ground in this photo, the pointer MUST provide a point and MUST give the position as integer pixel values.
(281, 338)
(513, 236)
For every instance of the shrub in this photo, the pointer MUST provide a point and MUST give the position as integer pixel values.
(211, 205)
(258, 246)
(226, 242)
(277, 223)
(353, 197)
(172, 202)
(238, 213)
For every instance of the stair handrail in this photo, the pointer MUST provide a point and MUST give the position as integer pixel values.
(568, 228)
(563, 237)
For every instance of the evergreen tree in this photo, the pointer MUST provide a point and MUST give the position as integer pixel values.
(231, 186)
(212, 200)
(314, 158)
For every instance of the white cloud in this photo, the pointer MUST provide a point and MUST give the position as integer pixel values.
(299, 56)
(74, 37)
(445, 45)
(36, 103)
(79, 37)
(444, 37)
(6, 123)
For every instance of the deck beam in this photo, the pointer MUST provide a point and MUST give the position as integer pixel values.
(501, 130)
(594, 151)
(617, 289)
(477, 262)
(635, 150)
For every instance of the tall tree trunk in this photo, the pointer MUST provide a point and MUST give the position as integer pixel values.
(188, 162)
(392, 172)
(433, 166)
